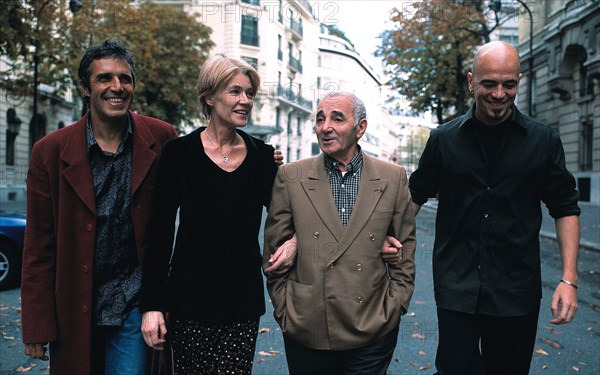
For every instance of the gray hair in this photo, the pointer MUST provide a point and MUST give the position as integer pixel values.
(359, 109)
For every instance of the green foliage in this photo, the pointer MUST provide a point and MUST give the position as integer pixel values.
(169, 46)
(428, 53)
(334, 30)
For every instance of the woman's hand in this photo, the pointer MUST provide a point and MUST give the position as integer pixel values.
(154, 329)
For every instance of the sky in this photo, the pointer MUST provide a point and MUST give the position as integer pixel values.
(361, 20)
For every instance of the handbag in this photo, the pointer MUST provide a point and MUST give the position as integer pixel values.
(162, 360)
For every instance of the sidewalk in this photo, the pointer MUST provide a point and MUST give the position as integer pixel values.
(589, 224)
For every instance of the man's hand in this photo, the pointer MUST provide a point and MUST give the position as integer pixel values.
(278, 157)
(391, 251)
(36, 351)
(564, 304)
(154, 329)
(284, 258)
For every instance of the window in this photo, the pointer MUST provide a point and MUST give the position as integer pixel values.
(289, 125)
(251, 60)
(249, 30)
(279, 51)
(315, 149)
(587, 146)
(277, 118)
(298, 124)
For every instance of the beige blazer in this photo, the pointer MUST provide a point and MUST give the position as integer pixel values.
(340, 294)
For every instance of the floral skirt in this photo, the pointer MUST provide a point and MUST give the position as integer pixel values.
(213, 348)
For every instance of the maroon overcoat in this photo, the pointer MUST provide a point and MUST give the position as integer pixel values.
(58, 256)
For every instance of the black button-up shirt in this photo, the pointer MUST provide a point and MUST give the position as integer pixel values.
(486, 255)
(117, 272)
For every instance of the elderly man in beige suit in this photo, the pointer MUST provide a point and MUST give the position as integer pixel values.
(340, 305)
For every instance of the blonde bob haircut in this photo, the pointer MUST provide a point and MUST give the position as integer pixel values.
(215, 74)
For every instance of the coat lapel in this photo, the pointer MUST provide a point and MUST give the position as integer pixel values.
(143, 152)
(369, 192)
(318, 190)
(77, 172)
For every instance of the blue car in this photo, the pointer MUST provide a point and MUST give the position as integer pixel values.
(12, 234)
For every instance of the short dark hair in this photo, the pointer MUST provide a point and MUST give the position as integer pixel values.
(108, 48)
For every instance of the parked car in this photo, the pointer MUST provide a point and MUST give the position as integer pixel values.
(12, 233)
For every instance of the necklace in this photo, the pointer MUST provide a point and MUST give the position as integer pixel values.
(225, 158)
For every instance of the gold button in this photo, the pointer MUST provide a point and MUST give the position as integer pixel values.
(316, 235)
(330, 267)
(372, 237)
(359, 267)
(89, 227)
(359, 299)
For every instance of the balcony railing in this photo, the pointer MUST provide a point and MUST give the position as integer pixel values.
(296, 27)
(295, 64)
(289, 94)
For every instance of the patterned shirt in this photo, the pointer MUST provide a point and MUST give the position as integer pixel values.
(344, 185)
(117, 272)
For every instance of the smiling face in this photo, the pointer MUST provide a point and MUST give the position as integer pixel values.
(494, 82)
(334, 125)
(232, 105)
(111, 89)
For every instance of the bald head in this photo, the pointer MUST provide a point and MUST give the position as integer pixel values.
(494, 81)
(499, 52)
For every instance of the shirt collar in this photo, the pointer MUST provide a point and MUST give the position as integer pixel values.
(354, 165)
(516, 118)
(91, 141)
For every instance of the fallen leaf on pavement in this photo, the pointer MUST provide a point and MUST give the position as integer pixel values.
(541, 351)
(266, 354)
(426, 367)
(421, 352)
(264, 330)
(412, 314)
(418, 335)
(552, 343)
(576, 369)
(23, 369)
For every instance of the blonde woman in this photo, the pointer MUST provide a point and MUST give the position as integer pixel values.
(220, 179)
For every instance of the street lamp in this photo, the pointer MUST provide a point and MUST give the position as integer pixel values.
(496, 6)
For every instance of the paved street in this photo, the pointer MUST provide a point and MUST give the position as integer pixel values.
(569, 349)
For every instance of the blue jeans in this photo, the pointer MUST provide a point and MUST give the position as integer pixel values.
(126, 352)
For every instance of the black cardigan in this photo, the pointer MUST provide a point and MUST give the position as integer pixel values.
(215, 271)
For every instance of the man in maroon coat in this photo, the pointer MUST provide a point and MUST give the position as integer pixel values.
(88, 193)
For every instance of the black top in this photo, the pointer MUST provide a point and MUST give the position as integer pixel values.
(486, 255)
(117, 270)
(216, 267)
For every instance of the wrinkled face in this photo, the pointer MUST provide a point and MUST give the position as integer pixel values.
(335, 129)
(494, 82)
(232, 105)
(111, 89)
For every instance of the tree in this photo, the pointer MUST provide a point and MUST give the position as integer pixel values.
(427, 51)
(169, 46)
